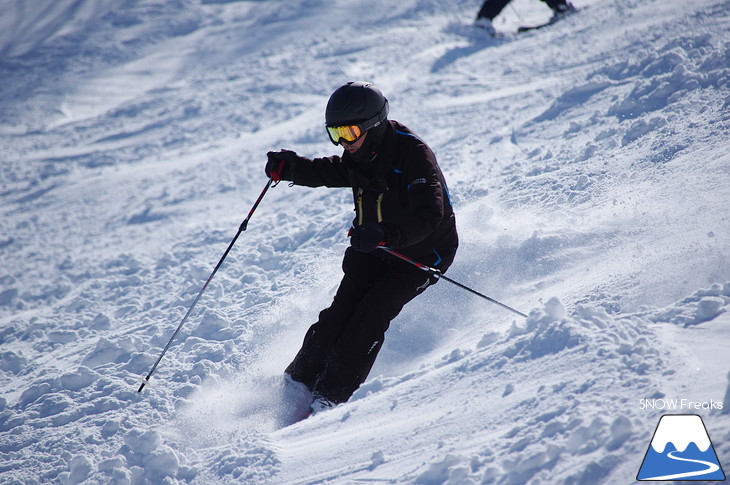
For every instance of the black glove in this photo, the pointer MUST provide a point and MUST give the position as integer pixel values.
(367, 237)
(280, 165)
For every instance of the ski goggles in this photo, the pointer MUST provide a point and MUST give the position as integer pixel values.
(349, 133)
(352, 132)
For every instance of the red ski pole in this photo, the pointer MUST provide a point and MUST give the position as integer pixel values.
(440, 275)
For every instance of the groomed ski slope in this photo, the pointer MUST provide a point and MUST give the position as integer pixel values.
(589, 168)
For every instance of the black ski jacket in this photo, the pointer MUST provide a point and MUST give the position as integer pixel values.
(404, 190)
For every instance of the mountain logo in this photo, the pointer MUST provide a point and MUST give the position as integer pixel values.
(681, 450)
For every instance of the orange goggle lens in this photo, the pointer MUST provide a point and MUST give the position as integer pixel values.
(348, 133)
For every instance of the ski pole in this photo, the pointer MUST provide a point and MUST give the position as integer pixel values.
(241, 228)
(516, 11)
(439, 274)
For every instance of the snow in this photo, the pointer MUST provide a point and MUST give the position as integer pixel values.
(589, 167)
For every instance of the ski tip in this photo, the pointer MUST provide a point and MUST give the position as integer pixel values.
(555, 18)
(527, 28)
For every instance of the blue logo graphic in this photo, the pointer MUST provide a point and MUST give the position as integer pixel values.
(681, 450)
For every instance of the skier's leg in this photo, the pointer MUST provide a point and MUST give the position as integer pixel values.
(559, 6)
(360, 270)
(361, 339)
(491, 8)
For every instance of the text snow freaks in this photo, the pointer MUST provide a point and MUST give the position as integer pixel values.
(679, 404)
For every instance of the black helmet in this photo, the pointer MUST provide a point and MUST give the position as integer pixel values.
(357, 103)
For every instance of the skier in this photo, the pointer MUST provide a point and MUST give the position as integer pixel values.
(401, 201)
(491, 8)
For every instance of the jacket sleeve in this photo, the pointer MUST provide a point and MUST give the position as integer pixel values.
(326, 171)
(425, 198)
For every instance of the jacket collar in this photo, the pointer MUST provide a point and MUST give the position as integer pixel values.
(381, 156)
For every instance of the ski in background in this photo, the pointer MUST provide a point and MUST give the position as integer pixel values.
(554, 19)
(487, 26)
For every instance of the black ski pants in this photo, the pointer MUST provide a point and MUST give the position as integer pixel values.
(492, 8)
(340, 349)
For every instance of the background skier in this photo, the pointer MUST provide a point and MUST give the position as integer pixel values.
(491, 8)
(401, 200)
